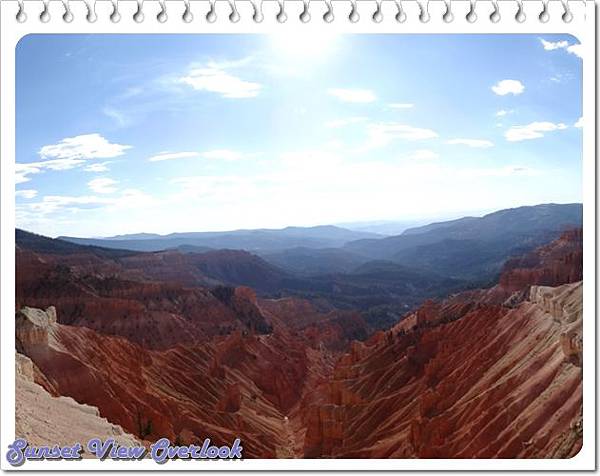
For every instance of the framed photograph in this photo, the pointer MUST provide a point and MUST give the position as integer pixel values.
(293, 235)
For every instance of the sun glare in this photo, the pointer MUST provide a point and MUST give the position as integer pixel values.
(301, 43)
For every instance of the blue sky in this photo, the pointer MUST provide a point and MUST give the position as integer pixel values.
(166, 133)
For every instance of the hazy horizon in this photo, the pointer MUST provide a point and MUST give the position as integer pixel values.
(409, 222)
(254, 132)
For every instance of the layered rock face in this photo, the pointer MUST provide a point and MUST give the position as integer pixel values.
(184, 392)
(492, 373)
(240, 385)
(558, 262)
(154, 314)
(467, 377)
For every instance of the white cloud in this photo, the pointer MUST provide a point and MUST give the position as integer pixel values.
(382, 134)
(334, 144)
(344, 122)
(70, 153)
(103, 185)
(215, 78)
(128, 199)
(26, 193)
(217, 154)
(508, 86)
(554, 45)
(399, 105)
(23, 171)
(575, 48)
(423, 154)
(84, 147)
(579, 123)
(172, 156)
(97, 167)
(476, 143)
(504, 112)
(507, 171)
(55, 203)
(120, 118)
(60, 164)
(222, 154)
(353, 95)
(535, 130)
(311, 161)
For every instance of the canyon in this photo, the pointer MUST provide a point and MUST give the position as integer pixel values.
(181, 345)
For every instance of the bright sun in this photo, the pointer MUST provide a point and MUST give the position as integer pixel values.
(304, 43)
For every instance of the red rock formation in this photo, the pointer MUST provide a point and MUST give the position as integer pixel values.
(333, 330)
(558, 262)
(487, 373)
(466, 377)
(190, 362)
(153, 314)
(156, 393)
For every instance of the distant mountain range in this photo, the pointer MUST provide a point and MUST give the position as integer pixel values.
(381, 276)
(263, 240)
(466, 249)
(473, 247)
(384, 227)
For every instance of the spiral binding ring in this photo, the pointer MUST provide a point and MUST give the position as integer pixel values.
(472, 16)
(354, 16)
(520, 16)
(401, 15)
(281, 16)
(68, 15)
(328, 15)
(377, 14)
(45, 15)
(91, 16)
(567, 16)
(544, 16)
(448, 16)
(115, 16)
(424, 15)
(304, 17)
(257, 16)
(21, 15)
(211, 16)
(495, 15)
(187, 14)
(162, 15)
(138, 16)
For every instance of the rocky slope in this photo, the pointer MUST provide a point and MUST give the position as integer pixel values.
(42, 419)
(242, 384)
(484, 373)
(467, 377)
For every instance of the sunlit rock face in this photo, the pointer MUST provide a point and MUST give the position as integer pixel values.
(485, 373)
(46, 420)
(477, 375)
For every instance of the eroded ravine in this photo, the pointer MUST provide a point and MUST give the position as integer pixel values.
(486, 373)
